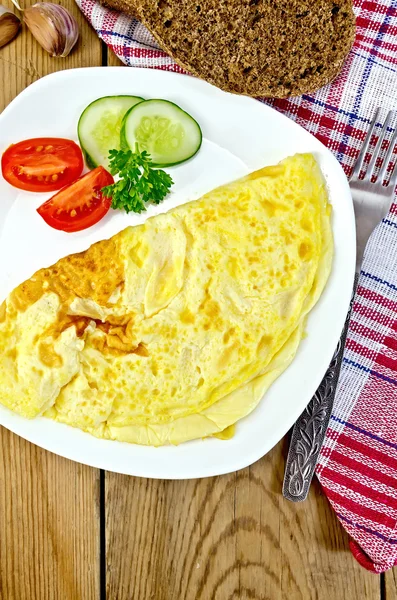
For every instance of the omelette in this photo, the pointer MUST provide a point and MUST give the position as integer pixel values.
(174, 329)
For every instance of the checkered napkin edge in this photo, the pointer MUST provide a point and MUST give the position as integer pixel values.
(358, 463)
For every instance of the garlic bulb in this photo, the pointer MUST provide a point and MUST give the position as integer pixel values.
(9, 26)
(52, 25)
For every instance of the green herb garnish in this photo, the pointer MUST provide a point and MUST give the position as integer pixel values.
(139, 182)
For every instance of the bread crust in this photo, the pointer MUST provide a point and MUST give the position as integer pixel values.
(270, 48)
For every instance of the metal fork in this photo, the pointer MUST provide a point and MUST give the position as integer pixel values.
(371, 201)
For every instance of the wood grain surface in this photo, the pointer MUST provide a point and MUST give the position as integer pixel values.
(49, 506)
(229, 537)
(67, 533)
(23, 60)
(49, 525)
(113, 60)
(389, 589)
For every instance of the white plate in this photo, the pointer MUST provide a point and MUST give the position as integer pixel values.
(240, 135)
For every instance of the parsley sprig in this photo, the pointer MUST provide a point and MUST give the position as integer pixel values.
(139, 182)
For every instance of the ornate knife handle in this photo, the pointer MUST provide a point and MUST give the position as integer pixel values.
(309, 430)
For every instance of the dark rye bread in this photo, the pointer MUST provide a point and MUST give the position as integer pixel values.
(274, 48)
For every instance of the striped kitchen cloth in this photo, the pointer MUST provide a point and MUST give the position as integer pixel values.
(358, 464)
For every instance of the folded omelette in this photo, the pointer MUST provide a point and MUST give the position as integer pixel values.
(174, 329)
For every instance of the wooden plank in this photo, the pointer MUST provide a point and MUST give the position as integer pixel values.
(229, 537)
(391, 585)
(23, 60)
(49, 506)
(318, 553)
(113, 60)
(49, 523)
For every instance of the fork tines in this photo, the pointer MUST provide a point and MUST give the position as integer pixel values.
(376, 155)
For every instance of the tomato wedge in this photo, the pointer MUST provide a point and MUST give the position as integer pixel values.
(42, 164)
(80, 204)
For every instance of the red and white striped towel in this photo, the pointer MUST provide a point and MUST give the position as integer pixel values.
(358, 464)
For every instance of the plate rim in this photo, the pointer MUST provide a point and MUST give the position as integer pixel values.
(245, 459)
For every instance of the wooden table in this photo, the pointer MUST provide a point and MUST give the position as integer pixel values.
(70, 532)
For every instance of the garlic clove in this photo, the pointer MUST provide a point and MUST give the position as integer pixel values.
(9, 26)
(53, 26)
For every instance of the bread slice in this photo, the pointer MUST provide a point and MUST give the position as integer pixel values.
(274, 48)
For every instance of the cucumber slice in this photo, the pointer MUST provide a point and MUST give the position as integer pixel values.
(163, 129)
(99, 127)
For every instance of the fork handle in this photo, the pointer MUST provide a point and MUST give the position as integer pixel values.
(309, 430)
